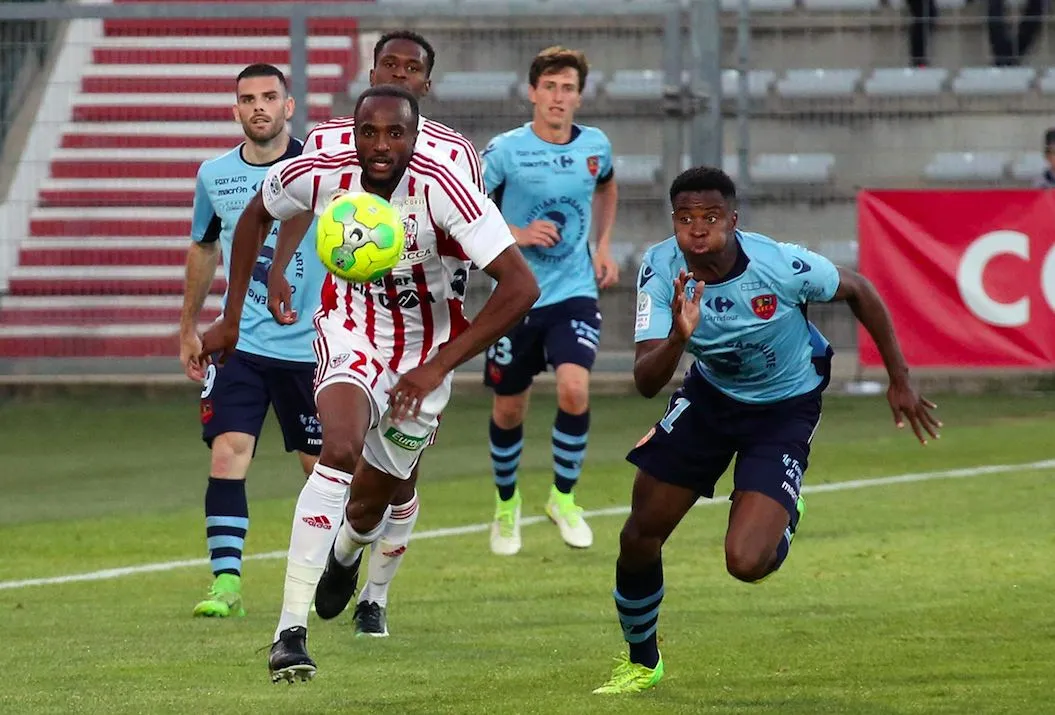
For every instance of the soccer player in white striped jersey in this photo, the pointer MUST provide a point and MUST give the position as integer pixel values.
(405, 59)
(385, 350)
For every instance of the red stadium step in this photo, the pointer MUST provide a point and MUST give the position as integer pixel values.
(20, 286)
(148, 141)
(99, 316)
(216, 56)
(76, 227)
(146, 169)
(247, 27)
(190, 85)
(89, 198)
(75, 346)
(186, 113)
(175, 256)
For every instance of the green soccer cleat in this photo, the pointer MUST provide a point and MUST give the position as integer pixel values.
(630, 677)
(505, 529)
(567, 515)
(800, 507)
(225, 598)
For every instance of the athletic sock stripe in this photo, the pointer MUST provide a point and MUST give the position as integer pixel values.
(648, 601)
(571, 473)
(641, 619)
(641, 637)
(571, 440)
(238, 522)
(227, 563)
(512, 450)
(225, 531)
(503, 481)
(225, 541)
(572, 457)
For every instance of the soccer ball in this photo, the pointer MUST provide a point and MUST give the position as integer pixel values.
(359, 237)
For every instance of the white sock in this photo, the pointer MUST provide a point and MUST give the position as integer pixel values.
(387, 552)
(316, 521)
(349, 544)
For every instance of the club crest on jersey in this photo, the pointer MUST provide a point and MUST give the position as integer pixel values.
(593, 163)
(764, 305)
(410, 230)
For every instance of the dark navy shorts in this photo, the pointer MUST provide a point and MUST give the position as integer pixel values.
(235, 398)
(565, 332)
(703, 429)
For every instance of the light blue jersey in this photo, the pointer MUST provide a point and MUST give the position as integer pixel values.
(532, 179)
(225, 185)
(753, 342)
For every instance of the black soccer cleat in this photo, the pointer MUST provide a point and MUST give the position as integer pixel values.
(336, 587)
(370, 620)
(289, 659)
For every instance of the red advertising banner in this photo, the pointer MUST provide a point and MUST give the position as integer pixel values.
(969, 276)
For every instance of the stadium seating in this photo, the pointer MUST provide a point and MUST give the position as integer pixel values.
(967, 166)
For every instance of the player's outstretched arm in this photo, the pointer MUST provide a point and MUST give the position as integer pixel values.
(279, 296)
(868, 307)
(516, 291)
(249, 234)
(656, 360)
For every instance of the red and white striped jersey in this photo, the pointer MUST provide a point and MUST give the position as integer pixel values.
(410, 313)
(433, 137)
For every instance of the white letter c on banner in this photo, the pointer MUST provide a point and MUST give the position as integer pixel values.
(969, 278)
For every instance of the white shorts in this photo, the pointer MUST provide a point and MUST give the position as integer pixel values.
(345, 357)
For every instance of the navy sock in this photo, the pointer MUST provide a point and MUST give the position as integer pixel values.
(506, 445)
(226, 524)
(783, 549)
(637, 599)
(569, 448)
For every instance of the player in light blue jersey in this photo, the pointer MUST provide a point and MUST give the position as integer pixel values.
(274, 364)
(548, 177)
(737, 302)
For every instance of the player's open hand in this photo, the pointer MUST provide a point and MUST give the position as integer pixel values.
(280, 299)
(189, 350)
(538, 233)
(685, 310)
(907, 404)
(605, 268)
(406, 396)
(221, 338)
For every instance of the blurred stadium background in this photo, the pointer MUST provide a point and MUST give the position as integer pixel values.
(107, 108)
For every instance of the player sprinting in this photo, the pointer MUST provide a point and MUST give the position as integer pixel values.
(386, 350)
(405, 59)
(273, 364)
(736, 301)
(548, 176)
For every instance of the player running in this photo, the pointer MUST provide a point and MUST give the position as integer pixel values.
(273, 365)
(737, 302)
(386, 350)
(547, 176)
(405, 59)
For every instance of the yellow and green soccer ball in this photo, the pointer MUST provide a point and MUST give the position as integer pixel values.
(359, 237)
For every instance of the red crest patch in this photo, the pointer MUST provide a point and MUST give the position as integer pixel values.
(593, 163)
(764, 305)
(495, 373)
(206, 411)
(647, 437)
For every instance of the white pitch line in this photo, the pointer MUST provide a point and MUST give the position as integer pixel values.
(107, 574)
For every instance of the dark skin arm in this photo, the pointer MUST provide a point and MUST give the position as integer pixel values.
(871, 312)
(656, 360)
(291, 233)
(516, 291)
(249, 235)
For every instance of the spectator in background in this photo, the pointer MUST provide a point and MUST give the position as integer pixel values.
(1047, 179)
(924, 15)
(1009, 51)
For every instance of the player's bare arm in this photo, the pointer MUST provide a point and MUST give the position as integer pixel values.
(868, 307)
(516, 291)
(536, 233)
(291, 233)
(656, 360)
(249, 235)
(202, 259)
(605, 200)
